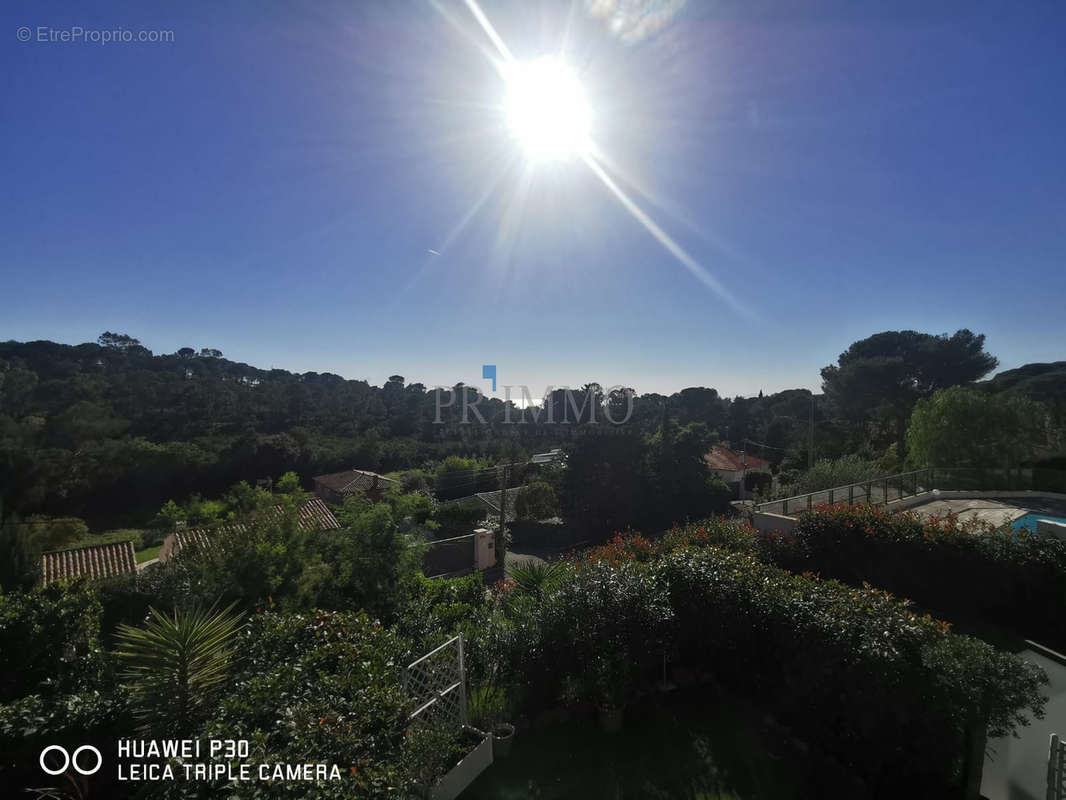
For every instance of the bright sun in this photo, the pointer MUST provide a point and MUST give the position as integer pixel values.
(546, 109)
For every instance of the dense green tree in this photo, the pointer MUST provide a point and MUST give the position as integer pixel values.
(883, 376)
(536, 501)
(117, 341)
(20, 554)
(371, 565)
(460, 477)
(602, 488)
(289, 483)
(110, 433)
(965, 427)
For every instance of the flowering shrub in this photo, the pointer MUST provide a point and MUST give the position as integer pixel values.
(968, 572)
(623, 548)
(715, 531)
(888, 692)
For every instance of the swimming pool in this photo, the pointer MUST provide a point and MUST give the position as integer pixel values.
(1029, 521)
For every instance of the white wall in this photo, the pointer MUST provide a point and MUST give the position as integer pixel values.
(766, 522)
(727, 475)
(1046, 527)
(484, 549)
(1016, 769)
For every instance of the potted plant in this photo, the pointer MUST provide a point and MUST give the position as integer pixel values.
(487, 708)
(610, 689)
(488, 704)
(502, 738)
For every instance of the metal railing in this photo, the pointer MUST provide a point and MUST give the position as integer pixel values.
(891, 488)
(878, 491)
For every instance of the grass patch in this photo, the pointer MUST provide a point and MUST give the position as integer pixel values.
(148, 554)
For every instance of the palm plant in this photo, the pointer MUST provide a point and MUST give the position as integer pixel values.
(174, 665)
(537, 579)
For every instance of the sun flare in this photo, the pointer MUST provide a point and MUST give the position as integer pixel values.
(546, 109)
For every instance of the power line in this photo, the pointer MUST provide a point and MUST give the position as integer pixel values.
(769, 447)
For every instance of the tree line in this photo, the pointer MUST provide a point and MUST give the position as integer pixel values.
(109, 431)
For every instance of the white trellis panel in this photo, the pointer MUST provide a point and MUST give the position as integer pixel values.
(437, 682)
(1056, 769)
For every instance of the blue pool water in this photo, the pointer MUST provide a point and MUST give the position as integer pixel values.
(1029, 521)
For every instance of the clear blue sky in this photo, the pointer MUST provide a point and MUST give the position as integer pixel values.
(271, 183)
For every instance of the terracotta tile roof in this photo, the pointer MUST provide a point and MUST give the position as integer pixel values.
(353, 480)
(314, 515)
(95, 561)
(723, 458)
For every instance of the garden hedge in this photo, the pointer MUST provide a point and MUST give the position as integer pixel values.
(888, 693)
(966, 573)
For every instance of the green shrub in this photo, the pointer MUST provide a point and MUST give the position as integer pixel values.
(457, 519)
(967, 573)
(414, 480)
(596, 632)
(20, 554)
(439, 607)
(758, 481)
(97, 716)
(458, 477)
(325, 687)
(827, 473)
(50, 640)
(56, 533)
(536, 501)
(887, 692)
(56, 683)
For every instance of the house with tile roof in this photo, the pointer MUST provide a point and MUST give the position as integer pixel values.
(95, 561)
(336, 486)
(731, 466)
(314, 515)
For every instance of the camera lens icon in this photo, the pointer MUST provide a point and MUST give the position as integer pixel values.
(71, 759)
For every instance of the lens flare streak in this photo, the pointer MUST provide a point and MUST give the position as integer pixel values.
(661, 236)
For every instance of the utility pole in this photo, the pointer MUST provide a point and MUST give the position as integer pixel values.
(743, 467)
(501, 534)
(810, 443)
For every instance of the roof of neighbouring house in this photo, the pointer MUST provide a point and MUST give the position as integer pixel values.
(353, 480)
(314, 515)
(721, 457)
(94, 561)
